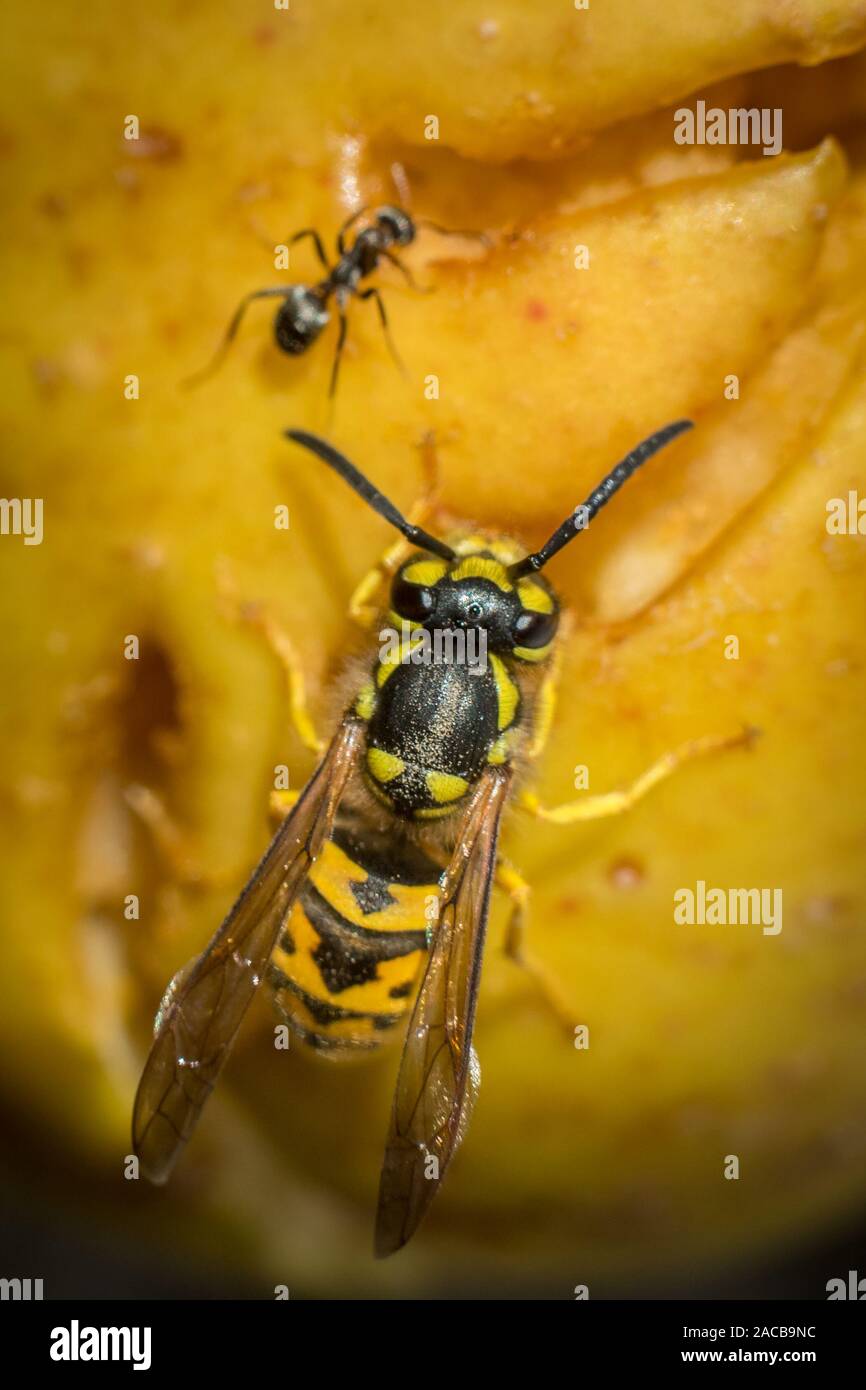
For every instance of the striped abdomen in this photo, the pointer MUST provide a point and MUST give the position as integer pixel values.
(348, 962)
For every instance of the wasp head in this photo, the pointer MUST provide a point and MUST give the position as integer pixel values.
(518, 617)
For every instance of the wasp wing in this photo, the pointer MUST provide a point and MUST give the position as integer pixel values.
(205, 1003)
(439, 1076)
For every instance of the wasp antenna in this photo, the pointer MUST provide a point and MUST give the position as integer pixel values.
(583, 515)
(371, 495)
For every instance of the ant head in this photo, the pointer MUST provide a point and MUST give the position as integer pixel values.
(299, 320)
(398, 223)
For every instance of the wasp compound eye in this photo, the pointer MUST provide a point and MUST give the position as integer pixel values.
(535, 629)
(412, 601)
(300, 320)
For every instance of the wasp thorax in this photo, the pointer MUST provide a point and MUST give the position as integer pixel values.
(474, 593)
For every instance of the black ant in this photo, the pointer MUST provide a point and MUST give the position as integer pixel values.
(304, 310)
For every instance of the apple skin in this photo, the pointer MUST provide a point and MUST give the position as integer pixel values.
(602, 1165)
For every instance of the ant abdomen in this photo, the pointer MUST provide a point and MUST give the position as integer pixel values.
(299, 320)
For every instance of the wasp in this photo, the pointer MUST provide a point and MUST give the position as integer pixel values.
(366, 917)
(304, 312)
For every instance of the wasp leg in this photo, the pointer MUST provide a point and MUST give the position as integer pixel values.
(519, 891)
(281, 645)
(615, 802)
(363, 607)
(373, 293)
(316, 240)
(228, 337)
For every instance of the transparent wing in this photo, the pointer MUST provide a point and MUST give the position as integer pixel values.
(439, 1076)
(206, 1001)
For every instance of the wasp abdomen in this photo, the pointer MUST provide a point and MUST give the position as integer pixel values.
(346, 968)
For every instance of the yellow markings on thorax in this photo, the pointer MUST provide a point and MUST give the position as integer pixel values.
(507, 693)
(384, 766)
(500, 750)
(433, 812)
(397, 654)
(365, 701)
(398, 622)
(445, 786)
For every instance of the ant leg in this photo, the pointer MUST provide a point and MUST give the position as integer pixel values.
(317, 242)
(615, 802)
(404, 270)
(338, 353)
(341, 235)
(363, 606)
(230, 332)
(373, 293)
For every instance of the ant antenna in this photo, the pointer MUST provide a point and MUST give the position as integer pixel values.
(454, 231)
(371, 495)
(583, 515)
(400, 179)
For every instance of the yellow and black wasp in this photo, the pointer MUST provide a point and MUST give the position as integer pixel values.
(401, 816)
